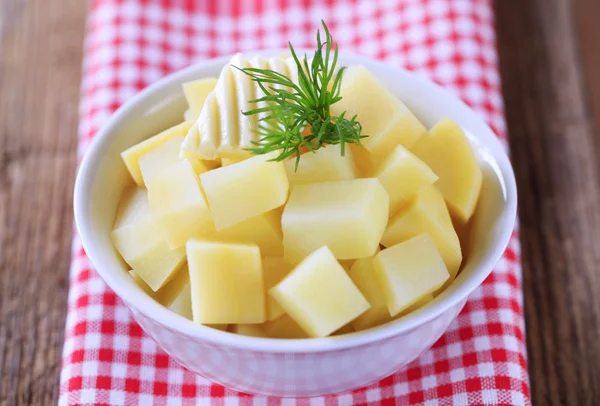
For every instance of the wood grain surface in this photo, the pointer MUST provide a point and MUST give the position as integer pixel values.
(551, 129)
(549, 58)
(41, 44)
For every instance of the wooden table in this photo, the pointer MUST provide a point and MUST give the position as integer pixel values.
(553, 111)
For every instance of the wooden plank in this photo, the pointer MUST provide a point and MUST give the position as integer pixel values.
(41, 44)
(587, 14)
(554, 155)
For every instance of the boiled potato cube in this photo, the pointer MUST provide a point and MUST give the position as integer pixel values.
(402, 175)
(319, 295)
(426, 213)
(363, 276)
(227, 282)
(263, 230)
(251, 330)
(347, 263)
(177, 201)
(137, 236)
(182, 305)
(449, 154)
(348, 216)
(324, 165)
(409, 271)
(284, 327)
(416, 305)
(230, 161)
(346, 329)
(244, 190)
(274, 270)
(132, 155)
(196, 93)
(384, 118)
(168, 294)
(155, 162)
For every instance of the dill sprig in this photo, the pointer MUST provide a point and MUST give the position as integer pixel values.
(296, 115)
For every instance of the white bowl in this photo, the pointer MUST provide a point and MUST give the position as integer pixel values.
(306, 367)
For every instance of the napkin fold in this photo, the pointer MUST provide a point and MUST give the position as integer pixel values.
(107, 358)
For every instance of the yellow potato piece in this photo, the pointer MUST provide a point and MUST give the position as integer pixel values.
(449, 154)
(402, 175)
(196, 93)
(274, 270)
(426, 213)
(245, 190)
(363, 276)
(347, 263)
(227, 282)
(284, 327)
(132, 155)
(178, 203)
(155, 162)
(409, 271)
(251, 330)
(324, 165)
(416, 305)
(346, 329)
(319, 295)
(384, 118)
(263, 230)
(348, 216)
(230, 161)
(138, 238)
(169, 293)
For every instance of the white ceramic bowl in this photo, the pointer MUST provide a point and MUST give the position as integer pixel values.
(297, 368)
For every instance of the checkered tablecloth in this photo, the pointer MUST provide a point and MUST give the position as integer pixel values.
(107, 359)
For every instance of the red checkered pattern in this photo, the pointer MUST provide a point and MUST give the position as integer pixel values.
(107, 359)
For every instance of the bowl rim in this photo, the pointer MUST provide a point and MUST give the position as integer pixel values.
(144, 304)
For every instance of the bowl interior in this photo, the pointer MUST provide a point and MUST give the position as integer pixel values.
(103, 176)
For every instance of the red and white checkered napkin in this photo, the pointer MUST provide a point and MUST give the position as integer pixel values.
(107, 358)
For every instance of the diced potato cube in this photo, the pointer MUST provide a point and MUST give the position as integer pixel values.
(274, 270)
(364, 160)
(182, 305)
(251, 330)
(347, 263)
(319, 295)
(348, 216)
(409, 271)
(137, 236)
(384, 118)
(227, 282)
(161, 158)
(132, 155)
(284, 327)
(177, 201)
(426, 213)
(402, 175)
(168, 294)
(211, 163)
(449, 154)
(230, 161)
(346, 329)
(196, 93)
(263, 230)
(244, 190)
(324, 165)
(220, 327)
(363, 276)
(416, 305)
